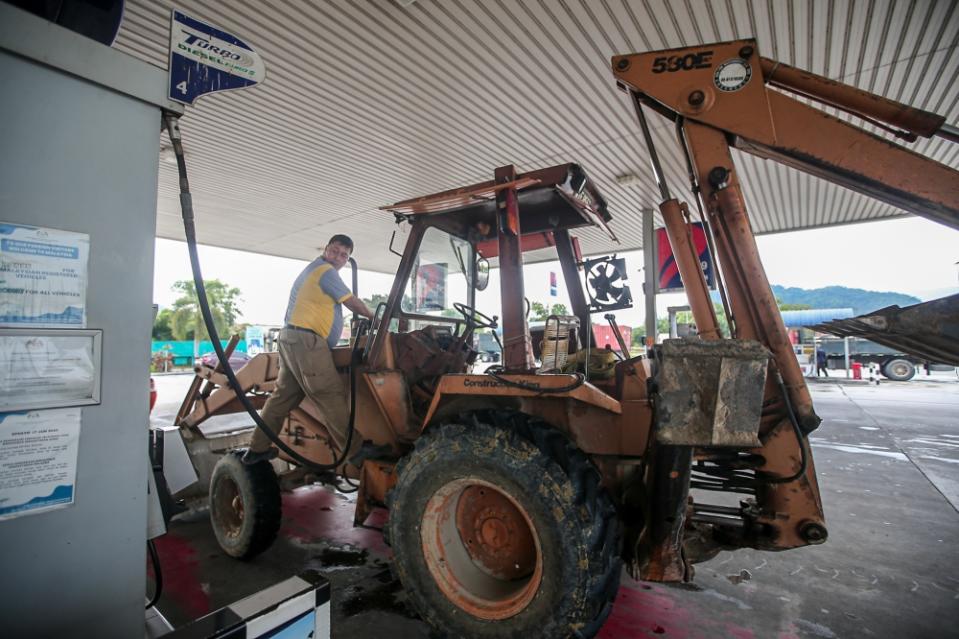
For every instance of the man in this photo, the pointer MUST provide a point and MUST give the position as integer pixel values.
(314, 321)
(821, 363)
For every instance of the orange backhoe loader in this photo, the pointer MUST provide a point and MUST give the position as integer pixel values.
(516, 495)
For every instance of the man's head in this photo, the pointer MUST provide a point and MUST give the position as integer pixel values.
(338, 250)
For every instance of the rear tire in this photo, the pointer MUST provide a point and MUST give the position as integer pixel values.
(500, 529)
(245, 506)
(899, 370)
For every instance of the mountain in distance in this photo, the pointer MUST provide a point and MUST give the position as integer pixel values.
(860, 300)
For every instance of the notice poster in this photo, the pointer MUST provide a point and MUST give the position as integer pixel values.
(254, 340)
(38, 460)
(49, 368)
(43, 277)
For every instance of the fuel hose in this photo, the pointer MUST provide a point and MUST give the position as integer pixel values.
(171, 122)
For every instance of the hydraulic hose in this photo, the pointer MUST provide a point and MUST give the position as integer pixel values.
(171, 122)
(800, 439)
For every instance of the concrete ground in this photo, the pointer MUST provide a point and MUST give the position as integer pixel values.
(888, 464)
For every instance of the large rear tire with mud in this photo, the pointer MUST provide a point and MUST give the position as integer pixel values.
(245, 506)
(501, 529)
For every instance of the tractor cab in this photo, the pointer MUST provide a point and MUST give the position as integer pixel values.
(454, 238)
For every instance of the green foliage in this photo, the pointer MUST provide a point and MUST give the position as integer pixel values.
(539, 312)
(375, 300)
(662, 325)
(186, 321)
(162, 332)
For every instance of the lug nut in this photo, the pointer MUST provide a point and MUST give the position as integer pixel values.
(696, 98)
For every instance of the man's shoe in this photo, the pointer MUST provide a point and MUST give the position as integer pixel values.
(250, 457)
(369, 450)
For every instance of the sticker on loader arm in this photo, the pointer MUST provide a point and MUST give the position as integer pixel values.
(732, 75)
(205, 59)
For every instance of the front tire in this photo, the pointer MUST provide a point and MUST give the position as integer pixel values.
(245, 506)
(500, 528)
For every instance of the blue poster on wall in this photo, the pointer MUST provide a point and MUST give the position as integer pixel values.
(205, 59)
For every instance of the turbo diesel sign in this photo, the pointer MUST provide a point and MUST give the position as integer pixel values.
(204, 59)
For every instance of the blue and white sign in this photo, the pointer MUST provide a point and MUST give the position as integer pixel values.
(254, 340)
(205, 59)
(43, 277)
(38, 460)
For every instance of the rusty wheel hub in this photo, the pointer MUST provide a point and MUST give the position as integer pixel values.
(229, 508)
(497, 536)
(481, 548)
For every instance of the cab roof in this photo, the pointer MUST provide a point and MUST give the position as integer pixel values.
(555, 198)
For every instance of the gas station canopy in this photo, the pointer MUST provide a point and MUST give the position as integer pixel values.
(369, 103)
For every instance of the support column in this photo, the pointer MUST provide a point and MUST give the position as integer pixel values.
(574, 285)
(517, 345)
(649, 270)
(845, 349)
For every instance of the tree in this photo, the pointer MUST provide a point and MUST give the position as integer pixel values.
(186, 321)
(637, 337)
(162, 332)
(539, 311)
(375, 300)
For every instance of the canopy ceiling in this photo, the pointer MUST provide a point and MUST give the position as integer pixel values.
(367, 103)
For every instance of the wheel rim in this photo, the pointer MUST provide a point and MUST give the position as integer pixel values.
(228, 507)
(899, 369)
(481, 548)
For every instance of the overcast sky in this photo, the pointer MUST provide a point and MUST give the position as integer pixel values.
(905, 255)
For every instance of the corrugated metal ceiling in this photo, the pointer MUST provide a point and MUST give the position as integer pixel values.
(368, 103)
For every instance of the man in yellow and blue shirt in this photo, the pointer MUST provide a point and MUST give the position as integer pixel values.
(314, 321)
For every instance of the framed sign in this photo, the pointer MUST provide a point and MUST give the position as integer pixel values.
(668, 280)
(49, 368)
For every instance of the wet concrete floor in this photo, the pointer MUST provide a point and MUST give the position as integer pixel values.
(888, 464)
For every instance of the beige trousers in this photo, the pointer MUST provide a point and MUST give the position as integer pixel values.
(306, 370)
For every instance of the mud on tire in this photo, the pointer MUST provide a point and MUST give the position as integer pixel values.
(245, 506)
(500, 528)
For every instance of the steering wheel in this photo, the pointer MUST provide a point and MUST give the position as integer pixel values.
(474, 317)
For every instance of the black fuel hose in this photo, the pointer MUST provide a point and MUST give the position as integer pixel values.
(157, 574)
(171, 122)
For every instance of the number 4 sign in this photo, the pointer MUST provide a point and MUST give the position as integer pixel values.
(204, 59)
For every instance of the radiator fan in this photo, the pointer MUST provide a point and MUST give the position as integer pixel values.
(606, 284)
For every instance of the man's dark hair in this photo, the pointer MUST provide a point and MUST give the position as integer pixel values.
(342, 239)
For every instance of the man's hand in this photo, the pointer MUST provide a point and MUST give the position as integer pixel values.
(356, 305)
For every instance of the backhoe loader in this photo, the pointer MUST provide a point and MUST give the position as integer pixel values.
(517, 495)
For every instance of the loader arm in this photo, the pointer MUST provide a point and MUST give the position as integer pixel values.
(721, 96)
(769, 123)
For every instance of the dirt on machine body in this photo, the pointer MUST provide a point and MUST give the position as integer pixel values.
(518, 494)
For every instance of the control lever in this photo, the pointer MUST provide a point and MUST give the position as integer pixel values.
(623, 349)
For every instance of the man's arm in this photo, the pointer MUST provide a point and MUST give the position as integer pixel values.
(356, 305)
